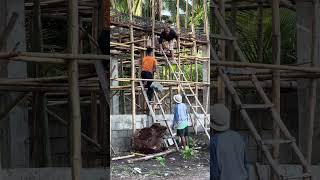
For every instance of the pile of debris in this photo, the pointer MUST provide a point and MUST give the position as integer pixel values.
(149, 140)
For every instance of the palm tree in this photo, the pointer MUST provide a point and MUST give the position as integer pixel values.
(246, 28)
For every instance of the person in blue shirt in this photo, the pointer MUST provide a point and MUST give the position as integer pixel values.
(227, 148)
(180, 120)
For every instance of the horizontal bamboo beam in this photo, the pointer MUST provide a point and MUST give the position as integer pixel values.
(52, 58)
(44, 89)
(266, 66)
(158, 80)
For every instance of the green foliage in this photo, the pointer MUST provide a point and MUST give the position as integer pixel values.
(192, 142)
(246, 30)
(189, 153)
(161, 160)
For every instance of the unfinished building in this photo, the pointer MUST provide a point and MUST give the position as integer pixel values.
(186, 74)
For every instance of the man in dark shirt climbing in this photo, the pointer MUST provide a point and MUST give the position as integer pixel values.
(166, 40)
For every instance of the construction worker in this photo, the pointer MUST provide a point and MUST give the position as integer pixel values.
(180, 120)
(168, 35)
(149, 67)
(227, 148)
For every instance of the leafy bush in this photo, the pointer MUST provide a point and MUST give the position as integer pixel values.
(189, 153)
(161, 160)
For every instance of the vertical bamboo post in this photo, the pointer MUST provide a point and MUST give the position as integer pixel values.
(94, 117)
(187, 12)
(260, 60)
(75, 118)
(206, 64)
(35, 130)
(194, 53)
(313, 89)
(178, 41)
(133, 102)
(43, 118)
(36, 46)
(276, 50)
(221, 91)
(160, 9)
(260, 31)
(153, 24)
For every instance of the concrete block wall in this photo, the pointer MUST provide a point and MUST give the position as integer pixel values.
(53, 174)
(121, 127)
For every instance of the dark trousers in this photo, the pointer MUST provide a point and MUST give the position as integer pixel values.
(148, 75)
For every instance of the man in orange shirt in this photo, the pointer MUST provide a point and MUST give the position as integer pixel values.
(149, 67)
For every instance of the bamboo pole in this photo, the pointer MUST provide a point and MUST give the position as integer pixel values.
(187, 14)
(152, 156)
(221, 86)
(75, 116)
(276, 52)
(178, 40)
(313, 90)
(65, 123)
(35, 154)
(94, 117)
(11, 106)
(43, 118)
(267, 66)
(207, 64)
(153, 16)
(133, 103)
(260, 60)
(194, 53)
(8, 29)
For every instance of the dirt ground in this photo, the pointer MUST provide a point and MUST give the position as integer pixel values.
(176, 167)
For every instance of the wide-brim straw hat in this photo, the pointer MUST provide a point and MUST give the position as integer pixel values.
(221, 118)
(177, 98)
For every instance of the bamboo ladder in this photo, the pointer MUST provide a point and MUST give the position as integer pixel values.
(184, 86)
(152, 112)
(263, 143)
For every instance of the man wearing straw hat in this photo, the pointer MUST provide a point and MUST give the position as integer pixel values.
(180, 119)
(227, 148)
